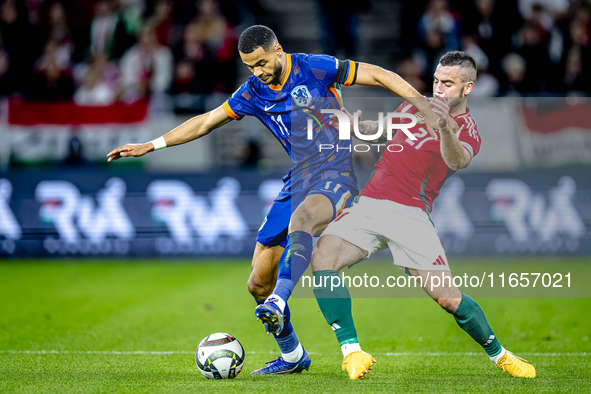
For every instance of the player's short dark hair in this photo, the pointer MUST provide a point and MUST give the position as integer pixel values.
(256, 36)
(462, 59)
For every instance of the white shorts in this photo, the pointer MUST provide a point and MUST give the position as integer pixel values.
(374, 225)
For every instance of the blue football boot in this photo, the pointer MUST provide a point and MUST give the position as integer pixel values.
(279, 366)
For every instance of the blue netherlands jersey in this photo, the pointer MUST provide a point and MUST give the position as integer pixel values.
(312, 83)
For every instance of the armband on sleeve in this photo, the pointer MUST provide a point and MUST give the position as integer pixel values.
(347, 72)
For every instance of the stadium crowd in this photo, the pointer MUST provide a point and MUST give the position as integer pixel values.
(98, 52)
(522, 47)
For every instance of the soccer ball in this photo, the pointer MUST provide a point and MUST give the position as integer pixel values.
(220, 356)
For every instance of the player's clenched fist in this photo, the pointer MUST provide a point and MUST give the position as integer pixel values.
(134, 150)
(441, 110)
(432, 125)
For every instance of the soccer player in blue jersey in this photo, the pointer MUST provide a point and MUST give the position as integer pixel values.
(285, 92)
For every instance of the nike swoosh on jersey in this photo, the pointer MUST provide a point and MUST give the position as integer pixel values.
(268, 108)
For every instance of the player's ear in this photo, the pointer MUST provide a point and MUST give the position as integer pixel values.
(278, 50)
(468, 88)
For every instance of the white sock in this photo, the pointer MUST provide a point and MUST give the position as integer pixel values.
(348, 348)
(495, 359)
(294, 357)
(277, 300)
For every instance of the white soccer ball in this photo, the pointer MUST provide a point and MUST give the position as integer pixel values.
(220, 356)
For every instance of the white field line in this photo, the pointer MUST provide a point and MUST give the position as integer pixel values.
(147, 352)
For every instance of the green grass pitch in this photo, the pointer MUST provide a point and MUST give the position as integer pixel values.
(103, 324)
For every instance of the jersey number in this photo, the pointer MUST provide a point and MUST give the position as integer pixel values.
(423, 133)
(282, 128)
(327, 186)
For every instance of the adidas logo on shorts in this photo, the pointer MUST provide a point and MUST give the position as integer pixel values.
(439, 261)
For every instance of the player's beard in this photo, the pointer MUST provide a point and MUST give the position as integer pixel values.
(277, 69)
(454, 103)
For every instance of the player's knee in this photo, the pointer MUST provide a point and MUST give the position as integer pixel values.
(320, 261)
(449, 304)
(259, 288)
(301, 220)
(323, 257)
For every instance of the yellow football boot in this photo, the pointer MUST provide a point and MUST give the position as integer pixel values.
(358, 364)
(516, 366)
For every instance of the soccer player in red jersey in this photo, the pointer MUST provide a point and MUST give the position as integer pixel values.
(393, 211)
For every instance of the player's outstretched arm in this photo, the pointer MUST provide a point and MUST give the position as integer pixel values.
(453, 152)
(371, 75)
(192, 129)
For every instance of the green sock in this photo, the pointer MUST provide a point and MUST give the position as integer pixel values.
(471, 319)
(335, 305)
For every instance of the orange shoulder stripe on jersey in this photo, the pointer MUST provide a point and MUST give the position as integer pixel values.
(352, 72)
(288, 65)
(336, 94)
(229, 111)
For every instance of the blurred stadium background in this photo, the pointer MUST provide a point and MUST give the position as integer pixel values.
(79, 78)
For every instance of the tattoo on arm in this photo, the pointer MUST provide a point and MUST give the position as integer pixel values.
(368, 127)
(371, 127)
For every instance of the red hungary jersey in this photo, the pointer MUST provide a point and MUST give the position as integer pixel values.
(415, 175)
